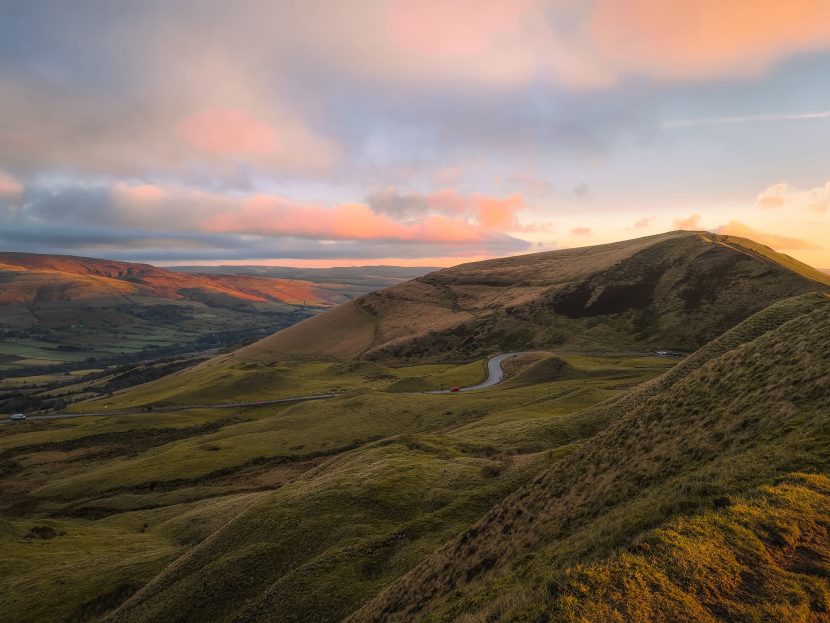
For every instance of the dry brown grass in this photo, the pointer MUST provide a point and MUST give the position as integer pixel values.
(675, 290)
(342, 333)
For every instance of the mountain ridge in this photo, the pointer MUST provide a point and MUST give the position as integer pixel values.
(675, 290)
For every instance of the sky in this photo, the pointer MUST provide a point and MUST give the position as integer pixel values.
(410, 132)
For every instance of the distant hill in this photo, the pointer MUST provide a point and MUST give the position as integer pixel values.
(56, 308)
(676, 290)
(359, 278)
(62, 277)
(706, 498)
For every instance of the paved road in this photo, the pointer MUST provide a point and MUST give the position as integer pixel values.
(495, 375)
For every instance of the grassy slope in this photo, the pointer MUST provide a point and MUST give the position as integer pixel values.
(224, 379)
(675, 290)
(348, 494)
(84, 307)
(748, 412)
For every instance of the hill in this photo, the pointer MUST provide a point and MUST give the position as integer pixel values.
(358, 278)
(673, 291)
(676, 290)
(588, 487)
(28, 276)
(61, 308)
(707, 498)
(302, 510)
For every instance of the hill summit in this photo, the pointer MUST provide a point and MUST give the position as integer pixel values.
(676, 290)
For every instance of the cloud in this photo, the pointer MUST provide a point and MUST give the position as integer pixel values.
(691, 222)
(644, 222)
(529, 183)
(581, 231)
(776, 241)
(228, 132)
(770, 118)
(782, 196)
(10, 188)
(706, 38)
(497, 213)
(143, 220)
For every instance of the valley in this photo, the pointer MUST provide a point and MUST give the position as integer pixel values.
(212, 493)
(74, 328)
(401, 311)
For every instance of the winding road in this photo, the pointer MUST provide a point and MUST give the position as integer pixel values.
(495, 375)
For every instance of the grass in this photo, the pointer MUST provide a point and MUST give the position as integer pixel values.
(558, 494)
(228, 380)
(674, 291)
(762, 558)
(340, 497)
(717, 431)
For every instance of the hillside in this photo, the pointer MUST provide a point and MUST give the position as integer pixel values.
(358, 278)
(302, 510)
(676, 290)
(61, 309)
(48, 278)
(694, 485)
(707, 498)
(701, 490)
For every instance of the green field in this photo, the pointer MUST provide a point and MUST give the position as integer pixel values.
(94, 507)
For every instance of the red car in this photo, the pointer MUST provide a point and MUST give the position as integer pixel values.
(455, 389)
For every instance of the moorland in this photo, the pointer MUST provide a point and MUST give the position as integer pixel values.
(600, 481)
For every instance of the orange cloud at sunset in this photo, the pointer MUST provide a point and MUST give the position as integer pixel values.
(275, 216)
(706, 37)
(691, 222)
(781, 195)
(498, 213)
(776, 241)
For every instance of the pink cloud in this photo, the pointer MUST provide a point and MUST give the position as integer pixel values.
(498, 212)
(438, 29)
(276, 216)
(644, 222)
(10, 188)
(139, 193)
(581, 231)
(228, 132)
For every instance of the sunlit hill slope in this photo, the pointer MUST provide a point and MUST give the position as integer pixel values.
(675, 290)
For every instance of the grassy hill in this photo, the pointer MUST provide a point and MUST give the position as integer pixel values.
(673, 291)
(357, 278)
(676, 290)
(307, 509)
(58, 309)
(590, 486)
(707, 498)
